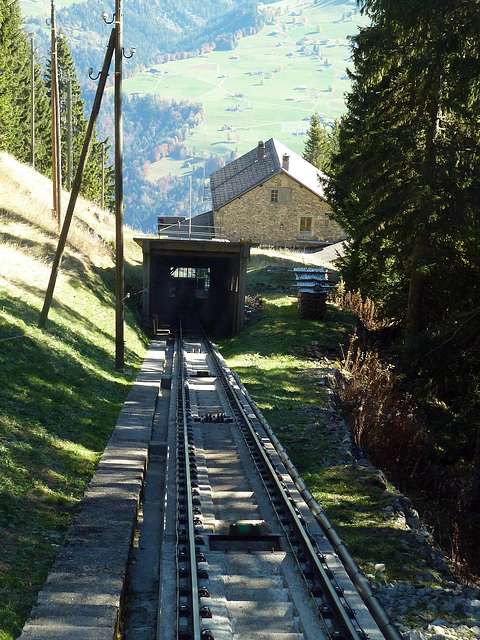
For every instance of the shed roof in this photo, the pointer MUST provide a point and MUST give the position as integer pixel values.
(199, 226)
(253, 168)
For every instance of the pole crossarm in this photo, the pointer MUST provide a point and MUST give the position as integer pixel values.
(77, 183)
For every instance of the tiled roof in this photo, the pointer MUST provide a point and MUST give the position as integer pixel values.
(251, 169)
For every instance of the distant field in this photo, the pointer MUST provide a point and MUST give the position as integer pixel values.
(268, 86)
(39, 7)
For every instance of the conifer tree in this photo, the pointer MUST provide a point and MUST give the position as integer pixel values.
(404, 180)
(15, 91)
(67, 74)
(405, 185)
(319, 145)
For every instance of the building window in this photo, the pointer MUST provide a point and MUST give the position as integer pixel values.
(274, 195)
(327, 222)
(305, 224)
(193, 282)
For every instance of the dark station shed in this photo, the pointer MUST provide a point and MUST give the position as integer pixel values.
(186, 279)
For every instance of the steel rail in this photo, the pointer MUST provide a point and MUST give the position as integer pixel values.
(338, 609)
(196, 620)
(362, 585)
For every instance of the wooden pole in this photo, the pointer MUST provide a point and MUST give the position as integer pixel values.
(103, 176)
(53, 67)
(32, 100)
(69, 135)
(77, 183)
(119, 262)
(56, 139)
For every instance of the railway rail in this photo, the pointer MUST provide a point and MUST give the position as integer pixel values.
(196, 526)
(243, 554)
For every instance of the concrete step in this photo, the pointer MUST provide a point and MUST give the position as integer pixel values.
(256, 589)
(250, 616)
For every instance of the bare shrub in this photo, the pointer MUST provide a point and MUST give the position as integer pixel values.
(363, 308)
(389, 427)
(385, 421)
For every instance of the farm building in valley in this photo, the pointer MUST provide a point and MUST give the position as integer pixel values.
(271, 195)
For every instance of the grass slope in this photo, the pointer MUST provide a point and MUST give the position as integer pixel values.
(60, 394)
(272, 79)
(42, 7)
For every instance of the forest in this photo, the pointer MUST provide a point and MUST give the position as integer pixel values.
(16, 113)
(155, 128)
(405, 185)
(156, 28)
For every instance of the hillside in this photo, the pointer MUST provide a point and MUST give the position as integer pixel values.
(60, 394)
(248, 72)
(154, 27)
(61, 398)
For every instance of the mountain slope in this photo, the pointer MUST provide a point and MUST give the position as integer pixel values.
(60, 395)
(154, 27)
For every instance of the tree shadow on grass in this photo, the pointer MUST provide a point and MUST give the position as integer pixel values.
(60, 403)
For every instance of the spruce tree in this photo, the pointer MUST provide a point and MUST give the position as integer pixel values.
(319, 144)
(405, 185)
(403, 179)
(67, 74)
(15, 91)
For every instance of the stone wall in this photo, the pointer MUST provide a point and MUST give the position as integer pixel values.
(279, 212)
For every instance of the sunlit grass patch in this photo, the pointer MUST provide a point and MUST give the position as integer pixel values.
(60, 393)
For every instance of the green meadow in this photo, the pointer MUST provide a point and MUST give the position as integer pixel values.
(268, 86)
(42, 7)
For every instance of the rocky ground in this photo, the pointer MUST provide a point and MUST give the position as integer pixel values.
(432, 606)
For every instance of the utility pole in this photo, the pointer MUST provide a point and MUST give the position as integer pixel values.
(103, 175)
(32, 100)
(69, 135)
(115, 47)
(119, 266)
(77, 182)
(56, 140)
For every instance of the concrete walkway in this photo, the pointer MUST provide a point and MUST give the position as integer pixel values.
(81, 597)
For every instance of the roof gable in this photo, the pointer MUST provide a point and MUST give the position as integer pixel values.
(257, 166)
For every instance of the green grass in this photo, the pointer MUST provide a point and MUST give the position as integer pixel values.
(271, 358)
(355, 506)
(60, 392)
(271, 105)
(60, 401)
(42, 7)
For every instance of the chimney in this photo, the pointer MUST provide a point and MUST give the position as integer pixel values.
(286, 161)
(261, 149)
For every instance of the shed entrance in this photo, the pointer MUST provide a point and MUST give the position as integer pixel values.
(191, 281)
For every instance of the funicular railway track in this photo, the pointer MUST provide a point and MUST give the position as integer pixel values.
(196, 526)
(250, 560)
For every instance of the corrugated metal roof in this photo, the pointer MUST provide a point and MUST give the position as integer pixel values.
(250, 170)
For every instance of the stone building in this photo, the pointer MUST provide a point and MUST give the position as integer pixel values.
(272, 196)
